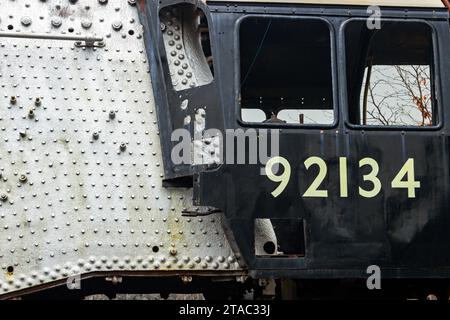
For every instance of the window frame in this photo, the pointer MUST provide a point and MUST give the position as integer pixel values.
(434, 78)
(334, 75)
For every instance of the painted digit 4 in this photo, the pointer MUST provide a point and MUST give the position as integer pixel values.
(283, 178)
(411, 184)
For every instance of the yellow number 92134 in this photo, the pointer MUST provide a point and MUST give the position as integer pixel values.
(405, 178)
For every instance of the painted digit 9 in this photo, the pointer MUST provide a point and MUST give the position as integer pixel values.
(283, 179)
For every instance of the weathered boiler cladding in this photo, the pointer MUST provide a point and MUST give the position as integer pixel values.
(92, 91)
(80, 125)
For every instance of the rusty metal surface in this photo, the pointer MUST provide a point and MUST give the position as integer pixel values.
(81, 169)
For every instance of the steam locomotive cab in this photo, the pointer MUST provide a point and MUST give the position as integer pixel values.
(222, 146)
(356, 98)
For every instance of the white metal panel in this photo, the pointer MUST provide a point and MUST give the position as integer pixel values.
(85, 204)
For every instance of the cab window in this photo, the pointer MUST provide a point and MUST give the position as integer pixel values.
(390, 74)
(285, 71)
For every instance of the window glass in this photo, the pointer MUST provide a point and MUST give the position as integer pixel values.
(253, 115)
(285, 70)
(390, 74)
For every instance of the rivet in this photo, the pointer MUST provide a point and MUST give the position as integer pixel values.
(123, 146)
(26, 21)
(112, 114)
(86, 24)
(13, 100)
(31, 114)
(117, 25)
(23, 178)
(3, 197)
(37, 101)
(173, 251)
(95, 135)
(22, 133)
(56, 22)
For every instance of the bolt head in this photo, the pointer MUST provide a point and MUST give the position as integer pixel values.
(3, 197)
(117, 25)
(56, 22)
(86, 24)
(26, 21)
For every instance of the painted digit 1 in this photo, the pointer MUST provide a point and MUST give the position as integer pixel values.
(283, 178)
(343, 177)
